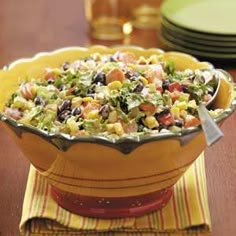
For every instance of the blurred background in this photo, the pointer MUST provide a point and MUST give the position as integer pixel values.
(28, 27)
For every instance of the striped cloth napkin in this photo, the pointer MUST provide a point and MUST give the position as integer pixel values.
(186, 213)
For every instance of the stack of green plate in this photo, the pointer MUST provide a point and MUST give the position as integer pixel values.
(204, 28)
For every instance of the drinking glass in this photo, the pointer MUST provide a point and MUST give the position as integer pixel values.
(146, 13)
(108, 19)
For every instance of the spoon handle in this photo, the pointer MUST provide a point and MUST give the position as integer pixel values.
(211, 130)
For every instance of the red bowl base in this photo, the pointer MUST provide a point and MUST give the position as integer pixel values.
(111, 207)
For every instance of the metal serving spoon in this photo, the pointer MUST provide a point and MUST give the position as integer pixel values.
(211, 130)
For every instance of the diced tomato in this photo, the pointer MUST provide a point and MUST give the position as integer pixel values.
(115, 75)
(191, 121)
(175, 86)
(167, 119)
(175, 95)
(50, 75)
(148, 107)
(159, 88)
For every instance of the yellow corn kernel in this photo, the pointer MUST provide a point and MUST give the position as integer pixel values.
(72, 125)
(87, 99)
(57, 71)
(183, 113)
(145, 82)
(182, 105)
(112, 118)
(151, 122)
(175, 111)
(118, 129)
(115, 85)
(76, 102)
(192, 103)
(96, 101)
(154, 59)
(93, 114)
(110, 128)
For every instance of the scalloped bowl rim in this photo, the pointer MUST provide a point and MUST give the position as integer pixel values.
(142, 138)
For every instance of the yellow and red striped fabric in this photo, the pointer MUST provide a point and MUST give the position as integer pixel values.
(187, 213)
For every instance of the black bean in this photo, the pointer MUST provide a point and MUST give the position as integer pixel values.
(104, 111)
(39, 101)
(165, 84)
(179, 123)
(99, 84)
(66, 105)
(162, 113)
(64, 115)
(61, 87)
(124, 107)
(191, 110)
(51, 81)
(161, 126)
(128, 74)
(138, 88)
(185, 88)
(91, 90)
(132, 75)
(76, 111)
(191, 78)
(112, 59)
(66, 66)
(100, 78)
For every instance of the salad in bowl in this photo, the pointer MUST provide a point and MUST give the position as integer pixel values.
(117, 123)
(113, 95)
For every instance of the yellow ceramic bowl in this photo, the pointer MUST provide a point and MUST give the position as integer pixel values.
(85, 169)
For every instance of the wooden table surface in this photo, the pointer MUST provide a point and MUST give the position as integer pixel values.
(28, 27)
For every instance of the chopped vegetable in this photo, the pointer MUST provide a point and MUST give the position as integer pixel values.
(113, 95)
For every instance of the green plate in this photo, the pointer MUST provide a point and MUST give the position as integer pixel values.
(195, 36)
(209, 16)
(211, 43)
(195, 45)
(198, 53)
